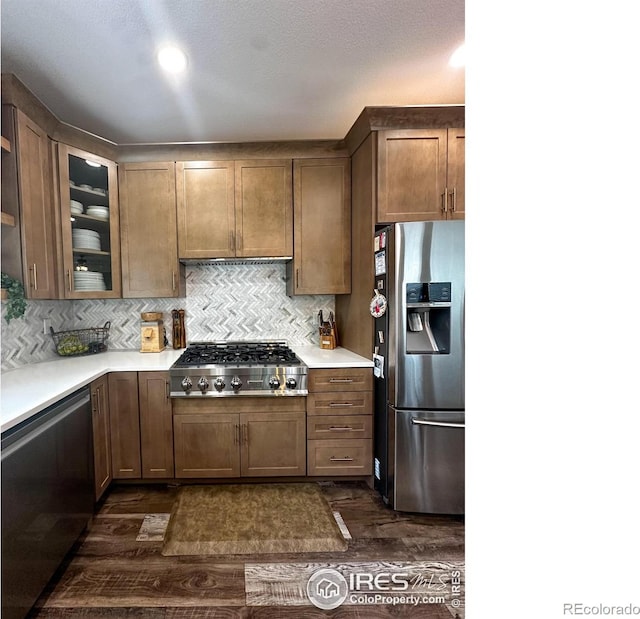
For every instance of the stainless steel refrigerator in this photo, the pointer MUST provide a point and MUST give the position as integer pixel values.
(418, 307)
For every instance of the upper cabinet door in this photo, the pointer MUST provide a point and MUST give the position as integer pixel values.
(148, 232)
(264, 211)
(455, 174)
(89, 229)
(322, 227)
(35, 190)
(206, 212)
(412, 175)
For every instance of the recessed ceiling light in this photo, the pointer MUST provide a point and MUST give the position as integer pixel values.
(457, 58)
(172, 59)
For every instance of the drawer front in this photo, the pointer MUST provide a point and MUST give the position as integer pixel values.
(341, 379)
(340, 426)
(195, 405)
(340, 457)
(334, 403)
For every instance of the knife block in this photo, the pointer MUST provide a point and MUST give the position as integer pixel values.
(328, 341)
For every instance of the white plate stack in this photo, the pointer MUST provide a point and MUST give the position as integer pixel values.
(85, 239)
(88, 280)
(76, 207)
(100, 212)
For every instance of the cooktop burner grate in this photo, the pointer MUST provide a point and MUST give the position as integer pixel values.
(237, 353)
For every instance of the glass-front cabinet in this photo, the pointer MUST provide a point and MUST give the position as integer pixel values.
(89, 225)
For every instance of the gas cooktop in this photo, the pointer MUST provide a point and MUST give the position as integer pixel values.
(237, 354)
(218, 369)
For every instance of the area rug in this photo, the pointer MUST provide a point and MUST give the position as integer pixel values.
(252, 519)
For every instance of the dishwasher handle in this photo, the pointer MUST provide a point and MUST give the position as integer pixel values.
(437, 424)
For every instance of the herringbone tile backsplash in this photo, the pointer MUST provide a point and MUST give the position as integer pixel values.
(223, 302)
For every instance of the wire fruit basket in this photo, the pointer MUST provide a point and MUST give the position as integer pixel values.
(81, 341)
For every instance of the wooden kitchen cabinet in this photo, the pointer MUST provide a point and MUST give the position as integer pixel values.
(141, 426)
(148, 231)
(232, 209)
(239, 437)
(420, 175)
(156, 425)
(322, 227)
(93, 184)
(263, 208)
(28, 230)
(340, 422)
(273, 444)
(206, 445)
(206, 209)
(124, 425)
(455, 174)
(101, 435)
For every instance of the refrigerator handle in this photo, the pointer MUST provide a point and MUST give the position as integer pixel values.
(420, 422)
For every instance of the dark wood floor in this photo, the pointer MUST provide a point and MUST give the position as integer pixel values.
(111, 575)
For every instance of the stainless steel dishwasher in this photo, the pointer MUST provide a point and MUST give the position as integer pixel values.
(47, 497)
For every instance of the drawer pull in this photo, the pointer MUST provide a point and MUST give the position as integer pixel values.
(341, 380)
(340, 404)
(340, 428)
(334, 459)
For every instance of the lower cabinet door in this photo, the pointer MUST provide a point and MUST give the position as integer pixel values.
(273, 444)
(206, 445)
(156, 425)
(101, 435)
(124, 423)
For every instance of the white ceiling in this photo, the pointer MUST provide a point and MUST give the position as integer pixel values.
(258, 69)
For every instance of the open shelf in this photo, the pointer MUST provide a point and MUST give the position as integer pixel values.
(6, 145)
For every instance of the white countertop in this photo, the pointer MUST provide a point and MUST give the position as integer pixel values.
(316, 357)
(29, 389)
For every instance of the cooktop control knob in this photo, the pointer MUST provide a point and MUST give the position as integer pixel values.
(291, 383)
(203, 384)
(219, 384)
(236, 383)
(274, 382)
(186, 384)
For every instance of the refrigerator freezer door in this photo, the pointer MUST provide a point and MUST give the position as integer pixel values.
(428, 461)
(426, 252)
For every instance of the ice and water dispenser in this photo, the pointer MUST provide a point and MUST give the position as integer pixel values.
(428, 319)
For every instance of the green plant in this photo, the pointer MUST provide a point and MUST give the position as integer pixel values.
(16, 301)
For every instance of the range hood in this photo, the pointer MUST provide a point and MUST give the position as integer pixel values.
(200, 262)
